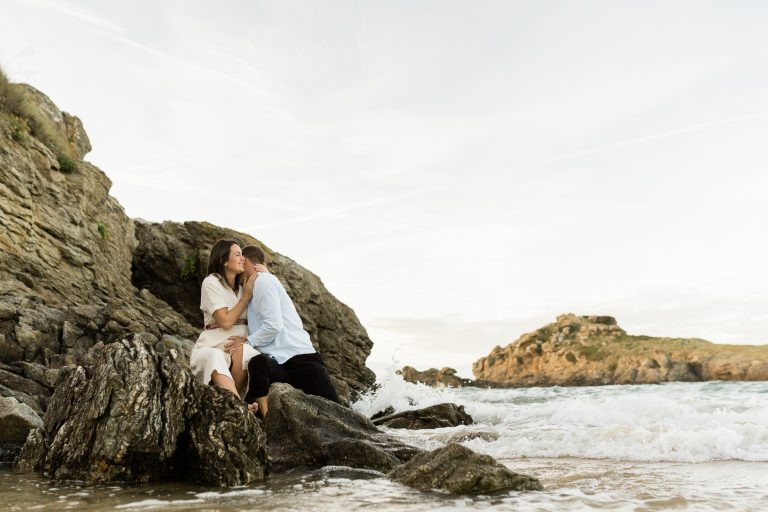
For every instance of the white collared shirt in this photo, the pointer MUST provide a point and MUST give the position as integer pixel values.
(274, 326)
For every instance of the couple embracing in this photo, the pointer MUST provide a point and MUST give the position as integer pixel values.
(252, 335)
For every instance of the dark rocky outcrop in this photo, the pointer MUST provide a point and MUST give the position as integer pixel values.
(462, 436)
(443, 378)
(459, 470)
(309, 431)
(16, 421)
(169, 260)
(135, 414)
(386, 412)
(68, 253)
(594, 350)
(434, 416)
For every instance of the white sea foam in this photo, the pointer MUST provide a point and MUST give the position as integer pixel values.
(682, 422)
(229, 494)
(150, 504)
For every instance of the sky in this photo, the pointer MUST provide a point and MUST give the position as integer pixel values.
(457, 172)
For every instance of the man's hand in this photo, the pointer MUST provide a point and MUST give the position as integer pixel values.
(232, 343)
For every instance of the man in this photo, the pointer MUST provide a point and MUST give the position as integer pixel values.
(275, 330)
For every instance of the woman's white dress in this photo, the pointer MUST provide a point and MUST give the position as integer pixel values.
(208, 354)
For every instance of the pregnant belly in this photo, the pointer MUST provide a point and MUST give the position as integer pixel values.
(217, 337)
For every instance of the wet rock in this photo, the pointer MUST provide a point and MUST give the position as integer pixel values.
(386, 412)
(443, 378)
(459, 470)
(135, 414)
(435, 416)
(466, 435)
(223, 443)
(309, 431)
(17, 419)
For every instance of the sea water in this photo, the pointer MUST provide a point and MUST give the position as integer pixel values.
(677, 446)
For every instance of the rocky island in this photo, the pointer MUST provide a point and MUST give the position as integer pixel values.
(594, 350)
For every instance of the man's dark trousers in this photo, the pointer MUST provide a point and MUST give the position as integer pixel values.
(304, 371)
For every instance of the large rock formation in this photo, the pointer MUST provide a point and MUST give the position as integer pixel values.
(309, 431)
(459, 470)
(135, 414)
(170, 261)
(593, 350)
(67, 251)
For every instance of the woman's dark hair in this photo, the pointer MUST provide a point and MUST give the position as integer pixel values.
(219, 256)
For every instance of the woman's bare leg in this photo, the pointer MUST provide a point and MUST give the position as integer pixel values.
(240, 375)
(224, 382)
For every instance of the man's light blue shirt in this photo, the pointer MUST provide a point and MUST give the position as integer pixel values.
(274, 326)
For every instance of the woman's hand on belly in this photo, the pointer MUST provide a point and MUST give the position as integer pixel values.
(233, 342)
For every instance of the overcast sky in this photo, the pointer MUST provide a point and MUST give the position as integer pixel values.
(459, 173)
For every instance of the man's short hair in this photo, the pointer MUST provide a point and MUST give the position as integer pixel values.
(254, 254)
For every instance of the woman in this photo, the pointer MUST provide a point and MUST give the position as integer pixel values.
(224, 302)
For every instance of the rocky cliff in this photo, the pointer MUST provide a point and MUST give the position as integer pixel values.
(594, 350)
(75, 270)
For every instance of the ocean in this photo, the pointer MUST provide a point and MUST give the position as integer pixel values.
(677, 446)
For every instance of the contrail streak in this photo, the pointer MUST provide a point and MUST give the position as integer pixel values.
(648, 138)
(359, 205)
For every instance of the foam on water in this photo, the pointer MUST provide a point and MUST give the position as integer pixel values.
(678, 422)
(151, 503)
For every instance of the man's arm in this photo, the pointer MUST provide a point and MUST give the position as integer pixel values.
(266, 300)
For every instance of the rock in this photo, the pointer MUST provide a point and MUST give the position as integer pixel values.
(227, 444)
(16, 421)
(594, 350)
(466, 435)
(386, 412)
(435, 416)
(309, 431)
(135, 414)
(62, 132)
(459, 470)
(76, 136)
(170, 262)
(444, 378)
(18, 387)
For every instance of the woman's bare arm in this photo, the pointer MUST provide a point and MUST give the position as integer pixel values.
(226, 318)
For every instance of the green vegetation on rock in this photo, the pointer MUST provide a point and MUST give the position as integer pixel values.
(103, 231)
(67, 165)
(191, 265)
